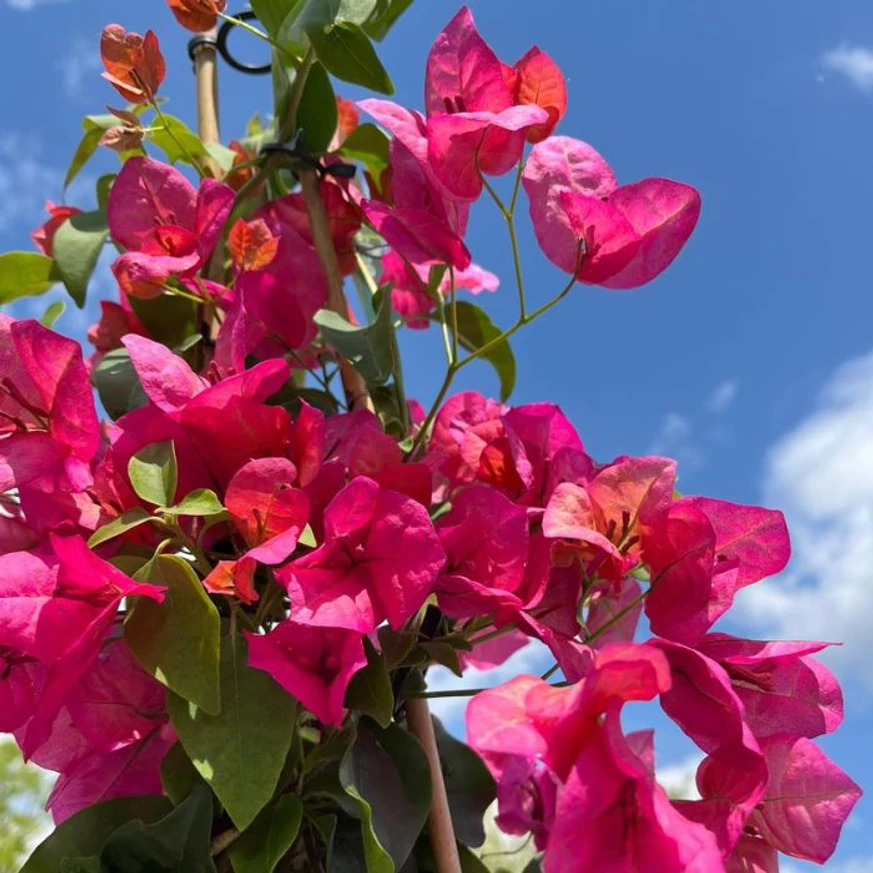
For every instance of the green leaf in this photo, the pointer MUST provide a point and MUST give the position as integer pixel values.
(369, 145)
(222, 155)
(84, 151)
(181, 841)
(323, 13)
(81, 865)
(168, 320)
(118, 384)
(475, 329)
(347, 53)
(76, 248)
(179, 777)
(345, 850)
(307, 538)
(85, 833)
(387, 772)
(469, 784)
(53, 313)
(125, 522)
(241, 751)
(104, 187)
(317, 113)
(177, 641)
(269, 838)
(25, 274)
(370, 349)
(271, 13)
(201, 502)
(370, 690)
(386, 17)
(396, 645)
(178, 142)
(445, 654)
(154, 474)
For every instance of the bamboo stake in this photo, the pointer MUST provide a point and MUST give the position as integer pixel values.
(357, 396)
(442, 832)
(204, 54)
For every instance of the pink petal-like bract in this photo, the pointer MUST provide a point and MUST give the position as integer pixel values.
(313, 664)
(166, 378)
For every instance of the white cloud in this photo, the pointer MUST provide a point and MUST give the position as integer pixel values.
(722, 397)
(25, 182)
(821, 475)
(679, 780)
(78, 66)
(851, 865)
(853, 62)
(534, 658)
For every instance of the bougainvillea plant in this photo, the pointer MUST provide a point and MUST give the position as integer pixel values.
(220, 604)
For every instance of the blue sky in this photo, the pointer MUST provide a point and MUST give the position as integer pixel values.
(750, 360)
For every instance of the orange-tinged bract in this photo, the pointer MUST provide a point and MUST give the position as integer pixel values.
(134, 64)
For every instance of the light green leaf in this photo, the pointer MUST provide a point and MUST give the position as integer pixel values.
(271, 13)
(347, 53)
(177, 641)
(168, 320)
(178, 142)
(25, 274)
(241, 751)
(153, 473)
(269, 837)
(76, 249)
(370, 689)
(385, 18)
(317, 113)
(307, 538)
(53, 313)
(369, 349)
(84, 151)
(201, 502)
(104, 187)
(369, 145)
(85, 833)
(387, 773)
(475, 329)
(125, 522)
(323, 13)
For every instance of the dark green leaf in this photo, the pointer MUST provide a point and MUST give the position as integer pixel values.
(387, 772)
(153, 473)
(118, 384)
(25, 274)
(125, 522)
(177, 641)
(178, 775)
(168, 320)
(178, 142)
(181, 841)
(241, 751)
(386, 17)
(269, 837)
(81, 865)
(475, 329)
(445, 654)
(85, 833)
(370, 691)
(396, 645)
(346, 852)
(535, 866)
(347, 53)
(469, 784)
(53, 313)
(369, 145)
(317, 113)
(201, 502)
(104, 187)
(370, 349)
(331, 749)
(76, 249)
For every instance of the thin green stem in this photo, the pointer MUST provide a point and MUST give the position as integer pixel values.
(421, 436)
(493, 635)
(517, 187)
(254, 31)
(454, 308)
(289, 123)
(444, 328)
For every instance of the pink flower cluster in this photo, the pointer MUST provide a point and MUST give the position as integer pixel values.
(496, 514)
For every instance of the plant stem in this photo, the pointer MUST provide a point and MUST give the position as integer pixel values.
(163, 120)
(224, 840)
(254, 31)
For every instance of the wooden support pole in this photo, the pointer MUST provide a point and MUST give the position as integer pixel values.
(204, 55)
(442, 832)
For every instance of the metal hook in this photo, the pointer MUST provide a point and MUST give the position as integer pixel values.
(223, 36)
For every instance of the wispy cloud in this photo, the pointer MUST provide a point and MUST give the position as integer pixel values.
(687, 437)
(821, 475)
(79, 66)
(28, 5)
(853, 62)
(851, 865)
